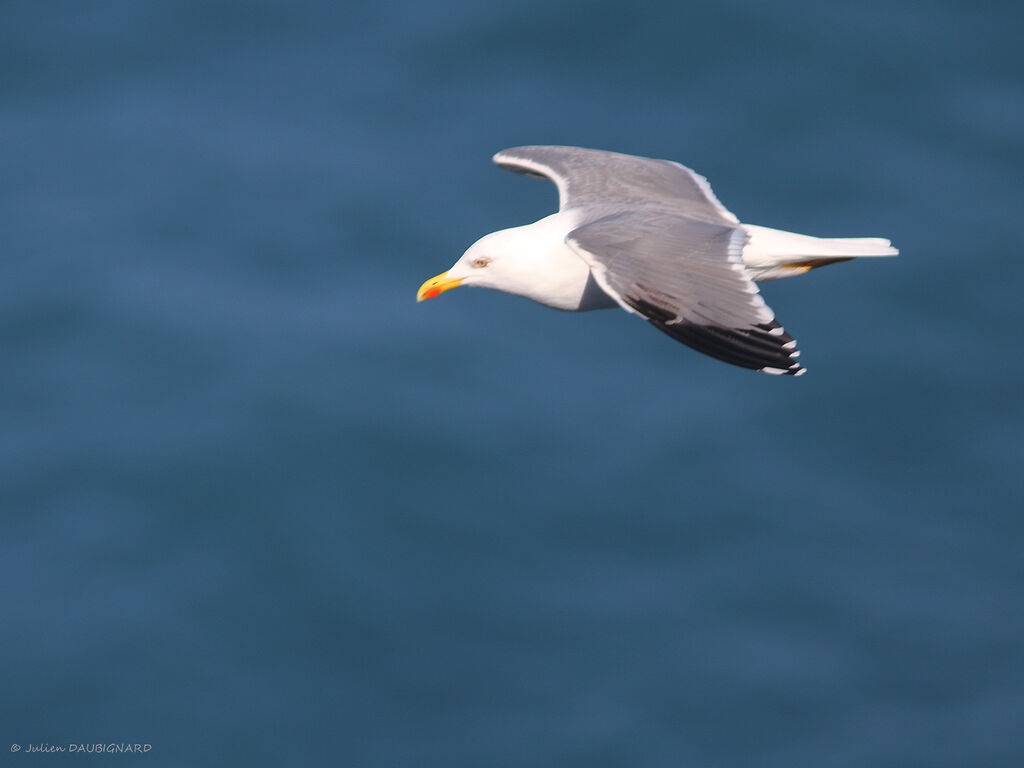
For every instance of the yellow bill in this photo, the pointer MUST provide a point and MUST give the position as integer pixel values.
(435, 286)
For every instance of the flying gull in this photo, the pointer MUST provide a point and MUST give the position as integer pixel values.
(649, 236)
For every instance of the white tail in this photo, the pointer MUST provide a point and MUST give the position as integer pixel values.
(772, 253)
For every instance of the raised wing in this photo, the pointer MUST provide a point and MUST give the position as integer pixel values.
(687, 278)
(587, 177)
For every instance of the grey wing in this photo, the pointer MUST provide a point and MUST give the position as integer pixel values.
(687, 279)
(587, 177)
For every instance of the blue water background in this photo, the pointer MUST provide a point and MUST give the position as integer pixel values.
(261, 508)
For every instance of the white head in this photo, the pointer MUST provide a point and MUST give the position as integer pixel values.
(531, 261)
(491, 262)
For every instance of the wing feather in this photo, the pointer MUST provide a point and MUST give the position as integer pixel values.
(687, 278)
(594, 177)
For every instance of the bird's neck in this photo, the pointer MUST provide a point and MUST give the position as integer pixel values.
(549, 271)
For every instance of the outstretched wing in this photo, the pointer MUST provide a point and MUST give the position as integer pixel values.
(687, 278)
(586, 177)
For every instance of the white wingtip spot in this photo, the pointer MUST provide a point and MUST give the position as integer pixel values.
(780, 371)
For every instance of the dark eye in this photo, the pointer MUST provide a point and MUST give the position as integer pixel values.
(482, 261)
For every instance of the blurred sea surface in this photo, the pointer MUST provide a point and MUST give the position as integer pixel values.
(260, 507)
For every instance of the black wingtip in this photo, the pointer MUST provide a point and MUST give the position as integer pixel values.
(765, 347)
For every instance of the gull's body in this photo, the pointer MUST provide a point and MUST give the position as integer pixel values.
(651, 237)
